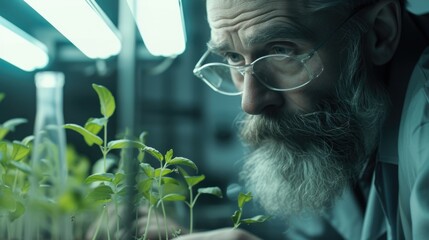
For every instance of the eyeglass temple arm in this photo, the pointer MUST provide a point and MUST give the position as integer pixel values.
(199, 63)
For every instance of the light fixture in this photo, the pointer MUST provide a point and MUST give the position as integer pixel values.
(83, 23)
(20, 49)
(161, 25)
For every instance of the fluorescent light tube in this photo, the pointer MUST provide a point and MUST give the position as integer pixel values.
(20, 49)
(83, 23)
(161, 25)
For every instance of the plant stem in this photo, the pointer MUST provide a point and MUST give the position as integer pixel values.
(15, 181)
(147, 223)
(162, 202)
(137, 228)
(191, 210)
(117, 218)
(157, 226)
(165, 220)
(105, 146)
(8, 230)
(99, 224)
(108, 225)
(237, 223)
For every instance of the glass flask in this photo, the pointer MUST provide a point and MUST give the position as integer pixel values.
(48, 181)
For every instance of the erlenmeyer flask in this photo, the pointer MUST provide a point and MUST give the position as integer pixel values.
(48, 180)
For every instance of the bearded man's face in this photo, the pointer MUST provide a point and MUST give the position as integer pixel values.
(308, 144)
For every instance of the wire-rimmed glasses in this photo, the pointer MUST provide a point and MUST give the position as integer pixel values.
(278, 72)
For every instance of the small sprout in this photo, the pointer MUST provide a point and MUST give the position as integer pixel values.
(244, 198)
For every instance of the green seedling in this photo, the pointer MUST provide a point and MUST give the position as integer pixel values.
(169, 181)
(109, 186)
(191, 181)
(244, 198)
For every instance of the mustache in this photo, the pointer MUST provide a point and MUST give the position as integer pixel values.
(323, 126)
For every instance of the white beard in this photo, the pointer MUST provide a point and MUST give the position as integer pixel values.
(301, 165)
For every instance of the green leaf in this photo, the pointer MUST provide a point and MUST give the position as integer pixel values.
(211, 190)
(19, 211)
(183, 161)
(102, 165)
(194, 180)
(24, 167)
(142, 137)
(101, 194)
(255, 219)
(173, 197)
(3, 149)
(19, 151)
(152, 199)
(89, 137)
(95, 125)
(183, 172)
(10, 125)
(3, 132)
(244, 198)
(99, 177)
(122, 192)
(155, 153)
(145, 186)
(148, 169)
(119, 178)
(26, 141)
(168, 188)
(236, 218)
(140, 156)
(107, 101)
(169, 180)
(159, 172)
(7, 199)
(2, 95)
(124, 143)
(150, 196)
(168, 155)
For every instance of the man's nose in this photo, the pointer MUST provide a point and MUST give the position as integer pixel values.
(256, 97)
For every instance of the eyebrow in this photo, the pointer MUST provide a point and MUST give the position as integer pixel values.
(278, 31)
(218, 47)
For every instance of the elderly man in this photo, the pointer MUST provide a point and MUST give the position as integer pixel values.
(337, 100)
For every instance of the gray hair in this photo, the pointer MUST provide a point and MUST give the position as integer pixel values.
(361, 98)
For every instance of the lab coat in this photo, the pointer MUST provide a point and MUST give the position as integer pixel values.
(397, 205)
(413, 149)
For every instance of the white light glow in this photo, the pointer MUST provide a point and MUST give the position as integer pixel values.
(49, 79)
(83, 23)
(20, 49)
(161, 25)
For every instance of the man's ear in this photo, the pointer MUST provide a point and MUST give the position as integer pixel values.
(384, 19)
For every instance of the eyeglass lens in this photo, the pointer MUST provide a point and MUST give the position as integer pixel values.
(278, 72)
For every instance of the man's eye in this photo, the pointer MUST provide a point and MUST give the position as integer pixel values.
(233, 58)
(281, 50)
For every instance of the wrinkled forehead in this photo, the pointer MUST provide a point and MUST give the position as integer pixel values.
(251, 18)
(223, 9)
